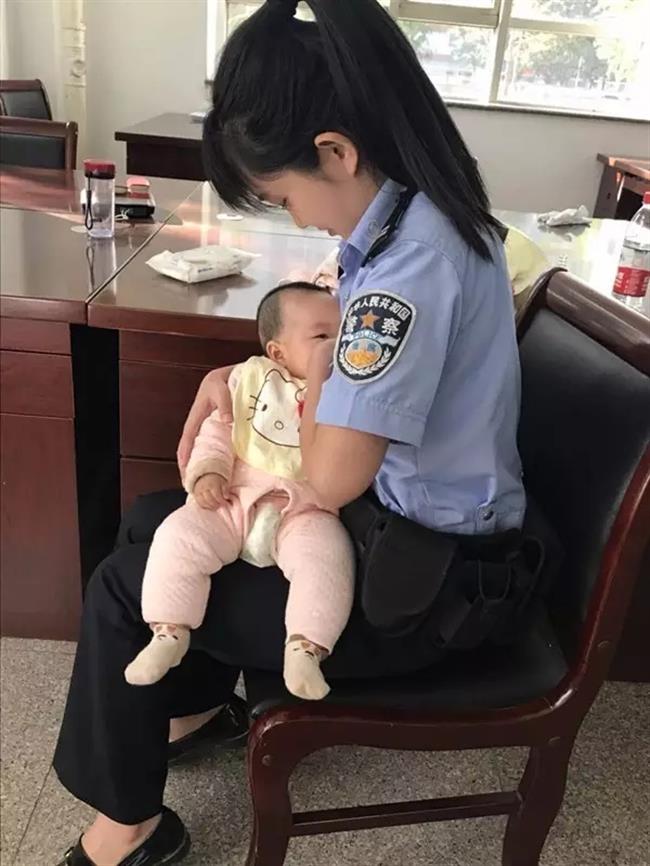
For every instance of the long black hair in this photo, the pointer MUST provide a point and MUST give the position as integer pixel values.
(282, 81)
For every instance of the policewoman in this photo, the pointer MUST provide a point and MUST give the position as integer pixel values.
(336, 121)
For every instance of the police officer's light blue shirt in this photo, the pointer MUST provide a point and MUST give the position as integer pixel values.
(427, 357)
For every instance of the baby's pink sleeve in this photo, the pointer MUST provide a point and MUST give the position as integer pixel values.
(212, 451)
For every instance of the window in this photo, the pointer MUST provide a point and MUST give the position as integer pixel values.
(591, 56)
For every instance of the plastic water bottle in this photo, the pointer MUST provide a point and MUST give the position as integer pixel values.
(99, 201)
(631, 284)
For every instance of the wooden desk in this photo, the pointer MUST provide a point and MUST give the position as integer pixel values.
(168, 145)
(591, 253)
(171, 334)
(623, 182)
(59, 502)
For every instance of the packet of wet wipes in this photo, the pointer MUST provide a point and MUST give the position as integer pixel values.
(201, 263)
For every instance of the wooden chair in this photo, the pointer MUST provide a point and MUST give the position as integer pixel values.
(38, 143)
(584, 441)
(24, 98)
(527, 303)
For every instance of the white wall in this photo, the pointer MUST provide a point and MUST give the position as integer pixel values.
(542, 162)
(4, 41)
(148, 56)
(144, 57)
(32, 47)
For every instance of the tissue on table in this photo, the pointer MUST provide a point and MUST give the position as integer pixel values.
(201, 263)
(572, 216)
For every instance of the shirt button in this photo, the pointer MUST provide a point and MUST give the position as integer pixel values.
(373, 228)
(488, 515)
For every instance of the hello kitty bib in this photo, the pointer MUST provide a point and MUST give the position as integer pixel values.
(267, 406)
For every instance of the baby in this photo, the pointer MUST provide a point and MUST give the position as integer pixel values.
(248, 498)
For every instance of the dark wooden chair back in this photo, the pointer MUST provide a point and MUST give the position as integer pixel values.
(529, 302)
(38, 143)
(24, 98)
(584, 438)
(585, 427)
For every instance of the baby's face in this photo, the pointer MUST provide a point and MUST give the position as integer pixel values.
(307, 320)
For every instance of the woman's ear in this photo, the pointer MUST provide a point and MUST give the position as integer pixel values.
(275, 351)
(338, 155)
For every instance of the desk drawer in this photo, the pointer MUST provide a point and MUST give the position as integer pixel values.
(39, 555)
(184, 351)
(165, 160)
(36, 384)
(28, 335)
(154, 402)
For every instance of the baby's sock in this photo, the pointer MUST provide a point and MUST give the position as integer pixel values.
(302, 673)
(165, 650)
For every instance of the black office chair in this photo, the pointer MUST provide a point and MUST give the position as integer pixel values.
(38, 143)
(19, 98)
(584, 441)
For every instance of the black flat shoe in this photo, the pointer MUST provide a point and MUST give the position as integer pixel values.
(228, 729)
(169, 843)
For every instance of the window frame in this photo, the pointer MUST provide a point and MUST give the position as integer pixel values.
(498, 17)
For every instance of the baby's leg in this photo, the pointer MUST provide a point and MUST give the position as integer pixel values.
(315, 553)
(189, 546)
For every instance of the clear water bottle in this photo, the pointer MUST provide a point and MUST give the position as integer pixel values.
(99, 202)
(631, 284)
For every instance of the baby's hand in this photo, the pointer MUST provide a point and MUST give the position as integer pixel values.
(211, 491)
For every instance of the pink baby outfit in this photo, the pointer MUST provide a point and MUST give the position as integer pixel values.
(307, 542)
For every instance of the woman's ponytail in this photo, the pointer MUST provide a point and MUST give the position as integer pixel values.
(281, 81)
(397, 115)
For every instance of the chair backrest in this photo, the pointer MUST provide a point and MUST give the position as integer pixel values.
(585, 431)
(24, 98)
(38, 143)
(527, 303)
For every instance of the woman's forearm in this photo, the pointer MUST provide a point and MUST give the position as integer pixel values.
(308, 426)
(213, 393)
(339, 463)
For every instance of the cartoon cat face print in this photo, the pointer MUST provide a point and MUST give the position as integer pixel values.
(276, 410)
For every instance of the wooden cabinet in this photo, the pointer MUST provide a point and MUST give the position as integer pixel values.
(40, 566)
(154, 401)
(168, 145)
(36, 384)
(159, 376)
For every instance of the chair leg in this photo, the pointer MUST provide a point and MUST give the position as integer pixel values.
(268, 777)
(542, 791)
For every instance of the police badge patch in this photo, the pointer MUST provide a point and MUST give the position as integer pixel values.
(373, 333)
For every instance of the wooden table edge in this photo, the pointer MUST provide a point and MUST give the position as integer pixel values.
(627, 164)
(176, 324)
(150, 138)
(45, 309)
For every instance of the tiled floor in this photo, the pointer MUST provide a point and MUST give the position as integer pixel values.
(605, 820)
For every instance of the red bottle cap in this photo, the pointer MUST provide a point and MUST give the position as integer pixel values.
(646, 197)
(100, 168)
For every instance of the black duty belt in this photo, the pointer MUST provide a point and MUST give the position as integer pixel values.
(463, 589)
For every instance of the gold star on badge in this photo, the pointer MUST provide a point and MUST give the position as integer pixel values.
(368, 321)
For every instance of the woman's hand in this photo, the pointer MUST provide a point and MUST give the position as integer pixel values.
(356, 455)
(213, 393)
(320, 364)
